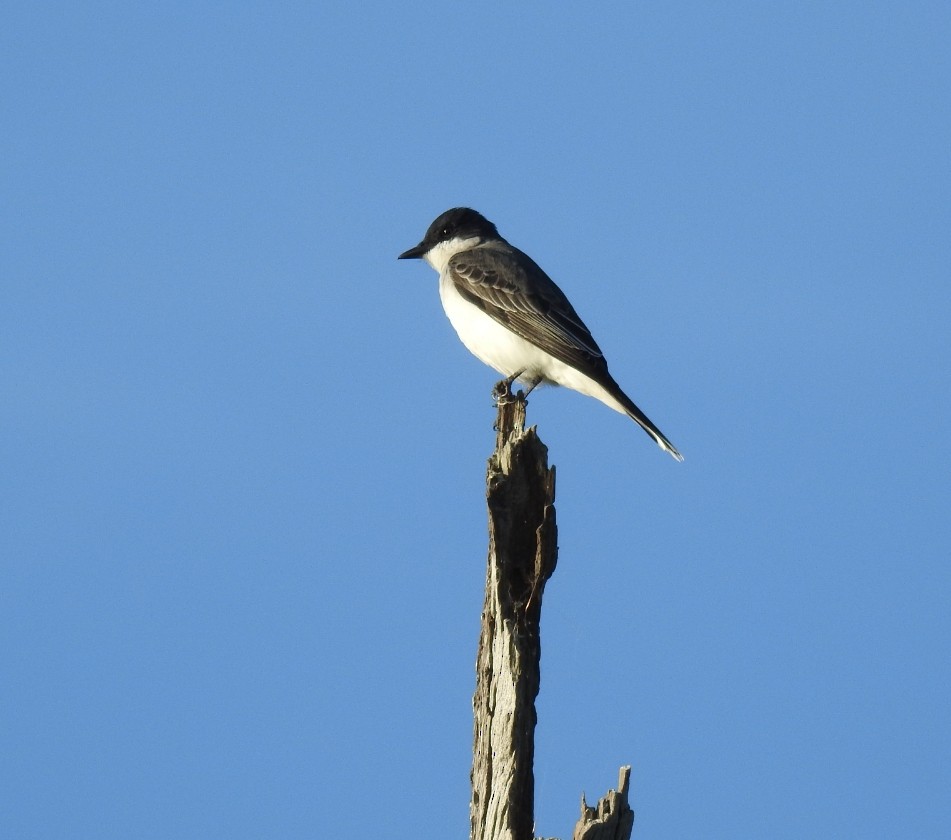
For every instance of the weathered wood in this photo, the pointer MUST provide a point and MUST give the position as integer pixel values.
(523, 551)
(613, 819)
(522, 555)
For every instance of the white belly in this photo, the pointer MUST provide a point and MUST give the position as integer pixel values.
(489, 341)
(508, 353)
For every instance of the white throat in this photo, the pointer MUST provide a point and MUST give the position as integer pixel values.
(439, 255)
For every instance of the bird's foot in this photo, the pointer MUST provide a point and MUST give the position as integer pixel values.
(502, 392)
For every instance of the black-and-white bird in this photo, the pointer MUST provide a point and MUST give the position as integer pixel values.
(513, 317)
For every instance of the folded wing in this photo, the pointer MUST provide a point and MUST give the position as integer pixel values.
(498, 282)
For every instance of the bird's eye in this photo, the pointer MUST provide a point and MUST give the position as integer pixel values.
(446, 231)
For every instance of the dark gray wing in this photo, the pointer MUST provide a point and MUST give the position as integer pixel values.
(507, 285)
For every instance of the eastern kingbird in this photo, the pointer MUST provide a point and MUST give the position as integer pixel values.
(513, 317)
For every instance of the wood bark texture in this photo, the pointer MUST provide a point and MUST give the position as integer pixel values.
(613, 819)
(522, 556)
(523, 551)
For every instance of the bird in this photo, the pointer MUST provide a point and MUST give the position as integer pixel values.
(510, 314)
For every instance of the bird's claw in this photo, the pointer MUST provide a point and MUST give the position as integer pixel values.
(502, 393)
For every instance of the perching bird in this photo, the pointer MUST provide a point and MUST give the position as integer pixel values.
(513, 317)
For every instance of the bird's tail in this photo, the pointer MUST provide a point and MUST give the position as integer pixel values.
(644, 422)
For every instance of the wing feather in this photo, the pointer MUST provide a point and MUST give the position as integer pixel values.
(508, 286)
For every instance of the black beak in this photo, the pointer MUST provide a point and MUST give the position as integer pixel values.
(414, 253)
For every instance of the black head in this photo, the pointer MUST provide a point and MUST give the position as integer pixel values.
(458, 223)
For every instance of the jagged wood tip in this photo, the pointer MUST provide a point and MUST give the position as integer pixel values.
(613, 818)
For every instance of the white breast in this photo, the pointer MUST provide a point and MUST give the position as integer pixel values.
(488, 340)
(502, 349)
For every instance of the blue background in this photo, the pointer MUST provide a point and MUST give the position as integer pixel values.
(242, 526)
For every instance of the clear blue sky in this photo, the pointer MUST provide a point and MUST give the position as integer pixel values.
(242, 452)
